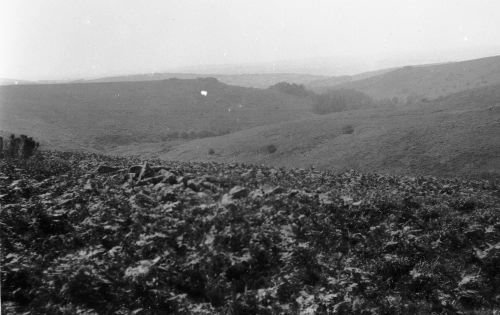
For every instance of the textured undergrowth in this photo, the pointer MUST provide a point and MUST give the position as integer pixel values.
(92, 234)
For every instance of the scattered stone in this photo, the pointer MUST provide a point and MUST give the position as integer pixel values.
(193, 185)
(151, 180)
(136, 170)
(167, 194)
(168, 177)
(146, 171)
(238, 192)
(105, 169)
(274, 190)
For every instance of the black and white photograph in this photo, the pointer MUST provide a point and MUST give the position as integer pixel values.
(242, 157)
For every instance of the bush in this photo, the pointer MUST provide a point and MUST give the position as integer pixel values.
(348, 129)
(18, 147)
(271, 148)
(291, 88)
(211, 151)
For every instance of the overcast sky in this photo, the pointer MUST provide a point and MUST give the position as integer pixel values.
(48, 39)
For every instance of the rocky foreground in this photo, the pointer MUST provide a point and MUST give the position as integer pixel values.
(89, 234)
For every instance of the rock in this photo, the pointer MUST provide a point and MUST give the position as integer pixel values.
(391, 246)
(256, 194)
(238, 192)
(168, 177)
(228, 202)
(167, 194)
(146, 171)
(209, 186)
(275, 190)
(325, 199)
(136, 170)
(142, 200)
(210, 179)
(105, 169)
(193, 185)
(88, 185)
(151, 180)
(248, 175)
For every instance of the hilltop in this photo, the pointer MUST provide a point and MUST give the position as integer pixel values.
(427, 81)
(93, 234)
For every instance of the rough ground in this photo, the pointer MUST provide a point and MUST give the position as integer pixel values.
(90, 234)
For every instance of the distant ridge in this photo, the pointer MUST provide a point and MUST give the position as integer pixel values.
(429, 81)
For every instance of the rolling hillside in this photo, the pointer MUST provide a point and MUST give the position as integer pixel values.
(457, 135)
(99, 115)
(428, 81)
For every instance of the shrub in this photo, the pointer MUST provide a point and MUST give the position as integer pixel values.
(291, 88)
(18, 147)
(211, 151)
(271, 148)
(347, 129)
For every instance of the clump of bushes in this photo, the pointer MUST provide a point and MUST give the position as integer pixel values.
(291, 88)
(18, 147)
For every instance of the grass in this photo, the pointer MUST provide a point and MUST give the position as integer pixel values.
(429, 81)
(455, 135)
(102, 115)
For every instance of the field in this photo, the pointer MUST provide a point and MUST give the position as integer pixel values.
(97, 116)
(92, 234)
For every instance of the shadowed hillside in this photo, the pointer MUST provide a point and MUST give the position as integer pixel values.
(97, 115)
(429, 81)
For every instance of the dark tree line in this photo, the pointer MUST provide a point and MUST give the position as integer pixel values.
(340, 100)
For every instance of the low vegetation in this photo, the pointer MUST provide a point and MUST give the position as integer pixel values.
(271, 148)
(93, 234)
(341, 100)
(97, 116)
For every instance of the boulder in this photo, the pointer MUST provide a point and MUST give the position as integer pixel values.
(105, 169)
(238, 192)
(146, 171)
(168, 177)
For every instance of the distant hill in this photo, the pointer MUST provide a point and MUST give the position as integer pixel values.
(456, 135)
(100, 115)
(428, 81)
(322, 85)
(263, 80)
(6, 81)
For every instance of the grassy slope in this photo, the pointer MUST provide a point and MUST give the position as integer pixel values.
(430, 81)
(457, 135)
(87, 115)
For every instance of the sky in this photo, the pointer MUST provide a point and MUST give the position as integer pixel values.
(62, 39)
